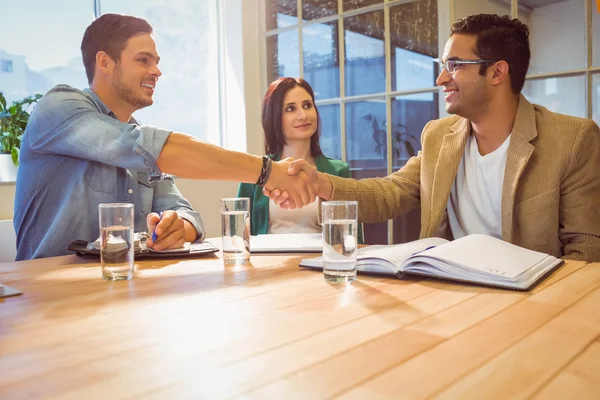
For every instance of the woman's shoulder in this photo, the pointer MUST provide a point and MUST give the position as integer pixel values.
(246, 189)
(331, 165)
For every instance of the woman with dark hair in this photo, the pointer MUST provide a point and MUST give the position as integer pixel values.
(292, 127)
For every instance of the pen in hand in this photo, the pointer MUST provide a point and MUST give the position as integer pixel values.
(154, 235)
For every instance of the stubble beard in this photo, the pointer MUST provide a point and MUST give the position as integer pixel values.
(471, 103)
(126, 93)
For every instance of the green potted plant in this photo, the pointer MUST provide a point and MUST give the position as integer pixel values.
(13, 120)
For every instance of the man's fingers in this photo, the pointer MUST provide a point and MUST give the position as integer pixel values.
(296, 201)
(309, 188)
(151, 220)
(305, 196)
(310, 171)
(312, 193)
(174, 233)
(175, 226)
(166, 220)
(272, 194)
(296, 166)
(173, 240)
(283, 196)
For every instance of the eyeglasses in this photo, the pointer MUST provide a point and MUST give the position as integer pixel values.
(450, 65)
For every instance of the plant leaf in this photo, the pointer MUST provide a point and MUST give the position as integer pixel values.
(15, 156)
(410, 149)
(13, 121)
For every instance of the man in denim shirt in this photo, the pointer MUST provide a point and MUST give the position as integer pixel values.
(83, 148)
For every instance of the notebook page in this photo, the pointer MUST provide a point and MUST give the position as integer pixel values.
(488, 254)
(382, 259)
(398, 253)
(6, 291)
(287, 242)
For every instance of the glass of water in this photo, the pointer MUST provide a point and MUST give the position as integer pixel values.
(116, 240)
(340, 224)
(235, 225)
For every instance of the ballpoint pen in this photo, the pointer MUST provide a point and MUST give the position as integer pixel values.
(154, 235)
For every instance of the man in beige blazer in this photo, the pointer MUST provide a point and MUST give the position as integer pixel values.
(543, 190)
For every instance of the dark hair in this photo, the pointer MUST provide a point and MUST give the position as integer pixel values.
(109, 33)
(272, 109)
(499, 38)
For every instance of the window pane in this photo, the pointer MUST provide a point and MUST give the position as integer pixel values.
(283, 55)
(409, 116)
(187, 93)
(354, 4)
(596, 36)
(464, 8)
(596, 98)
(557, 37)
(29, 66)
(414, 37)
(313, 9)
(562, 95)
(366, 151)
(281, 13)
(321, 59)
(364, 58)
(366, 138)
(331, 142)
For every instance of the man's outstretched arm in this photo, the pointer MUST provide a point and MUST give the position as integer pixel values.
(188, 157)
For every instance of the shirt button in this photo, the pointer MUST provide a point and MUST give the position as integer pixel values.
(130, 191)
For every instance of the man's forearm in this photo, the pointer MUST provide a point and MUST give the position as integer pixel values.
(188, 157)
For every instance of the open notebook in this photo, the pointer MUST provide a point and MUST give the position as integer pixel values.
(6, 291)
(474, 258)
(287, 243)
(140, 250)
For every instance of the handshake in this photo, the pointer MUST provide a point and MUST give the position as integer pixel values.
(295, 184)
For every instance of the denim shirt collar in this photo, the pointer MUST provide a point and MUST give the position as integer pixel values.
(103, 107)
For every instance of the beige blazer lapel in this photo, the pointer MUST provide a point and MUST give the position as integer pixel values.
(451, 152)
(518, 154)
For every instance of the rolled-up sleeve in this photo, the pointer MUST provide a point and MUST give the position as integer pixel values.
(149, 145)
(168, 197)
(68, 122)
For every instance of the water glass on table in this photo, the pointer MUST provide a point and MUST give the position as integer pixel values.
(116, 240)
(340, 224)
(235, 224)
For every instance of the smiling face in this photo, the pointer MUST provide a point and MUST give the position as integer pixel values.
(299, 116)
(467, 92)
(136, 73)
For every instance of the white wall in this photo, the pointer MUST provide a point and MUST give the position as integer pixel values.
(205, 196)
(7, 199)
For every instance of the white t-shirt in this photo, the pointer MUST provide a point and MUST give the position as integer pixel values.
(300, 220)
(475, 203)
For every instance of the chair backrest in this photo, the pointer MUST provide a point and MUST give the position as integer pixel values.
(8, 241)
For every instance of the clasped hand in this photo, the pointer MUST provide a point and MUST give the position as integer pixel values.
(170, 229)
(292, 183)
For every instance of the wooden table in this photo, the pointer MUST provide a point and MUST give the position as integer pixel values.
(198, 329)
